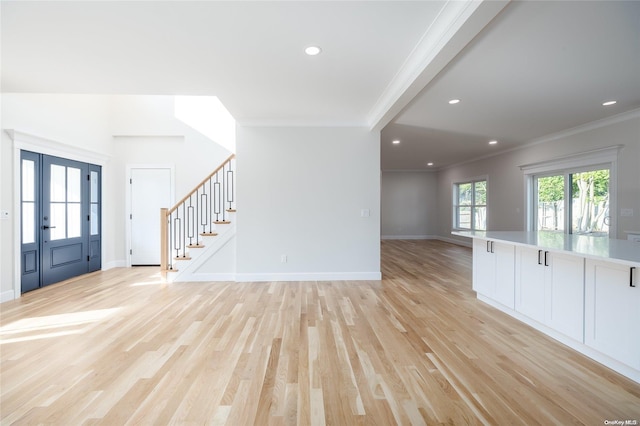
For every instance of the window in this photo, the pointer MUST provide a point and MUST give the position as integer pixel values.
(573, 201)
(573, 194)
(470, 205)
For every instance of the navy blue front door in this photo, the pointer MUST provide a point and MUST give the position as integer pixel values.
(60, 219)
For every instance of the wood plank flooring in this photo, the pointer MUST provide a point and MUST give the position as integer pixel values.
(121, 347)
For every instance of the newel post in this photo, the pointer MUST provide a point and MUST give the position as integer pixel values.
(164, 241)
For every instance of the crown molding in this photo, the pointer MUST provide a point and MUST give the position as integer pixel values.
(593, 125)
(30, 142)
(299, 123)
(615, 119)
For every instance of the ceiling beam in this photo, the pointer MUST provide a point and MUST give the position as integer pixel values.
(457, 24)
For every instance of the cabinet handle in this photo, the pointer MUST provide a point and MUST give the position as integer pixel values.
(631, 269)
(539, 260)
(491, 246)
(488, 250)
(545, 258)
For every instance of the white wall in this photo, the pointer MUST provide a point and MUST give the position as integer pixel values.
(300, 194)
(88, 123)
(408, 202)
(506, 187)
(6, 225)
(147, 132)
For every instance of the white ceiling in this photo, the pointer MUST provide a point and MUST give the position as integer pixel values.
(248, 54)
(535, 69)
(539, 68)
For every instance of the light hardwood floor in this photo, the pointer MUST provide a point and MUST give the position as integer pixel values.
(121, 347)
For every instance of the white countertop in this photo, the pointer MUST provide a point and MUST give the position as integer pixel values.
(602, 248)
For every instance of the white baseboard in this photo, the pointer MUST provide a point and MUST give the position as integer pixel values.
(114, 264)
(464, 243)
(310, 276)
(6, 296)
(409, 237)
(209, 277)
(428, 237)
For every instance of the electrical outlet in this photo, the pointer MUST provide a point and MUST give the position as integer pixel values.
(626, 212)
(4, 214)
(283, 258)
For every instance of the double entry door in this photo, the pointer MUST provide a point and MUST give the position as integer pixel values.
(60, 219)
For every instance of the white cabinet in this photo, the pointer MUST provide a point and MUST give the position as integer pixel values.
(530, 283)
(549, 288)
(565, 294)
(493, 270)
(582, 290)
(612, 310)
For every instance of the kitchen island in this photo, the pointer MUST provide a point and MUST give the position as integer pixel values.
(584, 291)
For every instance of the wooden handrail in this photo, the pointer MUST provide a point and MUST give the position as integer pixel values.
(186, 197)
(181, 234)
(164, 241)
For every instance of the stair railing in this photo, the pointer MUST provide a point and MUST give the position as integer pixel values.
(197, 214)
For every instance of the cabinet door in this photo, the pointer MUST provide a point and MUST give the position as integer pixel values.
(612, 310)
(505, 274)
(484, 268)
(530, 283)
(565, 294)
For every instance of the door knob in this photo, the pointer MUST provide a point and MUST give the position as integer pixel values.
(47, 227)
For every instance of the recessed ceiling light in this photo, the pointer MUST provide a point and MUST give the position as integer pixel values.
(396, 142)
(429, 164)
(312, 50)
(454, 101)
(493, 142)
(609, 103)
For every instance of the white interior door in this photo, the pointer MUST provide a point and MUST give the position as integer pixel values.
(150, 191)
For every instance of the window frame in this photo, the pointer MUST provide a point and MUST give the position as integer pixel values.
(473, 206)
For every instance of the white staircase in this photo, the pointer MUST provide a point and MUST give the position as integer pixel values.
(198, 234)
(215, 261)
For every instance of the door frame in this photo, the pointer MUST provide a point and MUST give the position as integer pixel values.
(172, 185)
(40, 145)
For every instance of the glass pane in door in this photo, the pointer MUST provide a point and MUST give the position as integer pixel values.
(65, 208)
(74, 223)
(58, 221)
(550, 203)
(28, 202)
(94, 203)
(94, 219)
(73, 184)
(590, 202)
(58, 184)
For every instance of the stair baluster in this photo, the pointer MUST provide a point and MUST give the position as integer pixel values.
(208, 204)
